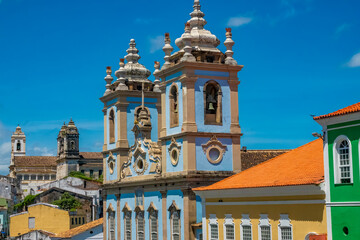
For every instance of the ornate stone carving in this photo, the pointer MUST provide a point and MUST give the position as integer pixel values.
(174, 151)
(214, 150)
(229, 43)
(108, 80)
(154, 151)
(167, 50)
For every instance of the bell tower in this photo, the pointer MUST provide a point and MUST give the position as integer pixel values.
(18, 143)
(68, 150)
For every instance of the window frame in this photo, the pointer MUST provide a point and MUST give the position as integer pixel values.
(153, 218)
(264, 222)
(245, 221)
(336, 159)
(140, 216)
(213, 222)
(219, 100)
(173, 214)
(174, 115)
(112, 130)
(127, 216)
(229, 221)
(284, 222)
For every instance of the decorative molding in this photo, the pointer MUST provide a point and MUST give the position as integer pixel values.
(110, 208)
(152, 208)
(267, 202)
(174, 208)
(215, 145)
(154, 151)
(174, 151)
(126, 208)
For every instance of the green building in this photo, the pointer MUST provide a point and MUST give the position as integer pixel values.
(341, 133)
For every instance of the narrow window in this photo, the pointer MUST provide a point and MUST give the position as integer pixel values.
(229, 227)
(344, 162)
(112, 126)
(91, 173)
(213, 103)
(111, 225)
(285, 228)
(127, 225)
(18, 146)
(31, 222)
(174, 106)
(83, 220)
(264, 228)
(100, 172)
(245, 228)
(140, 226)
(213, 227)
(26, 177)
(175, 219)
(72, 145)
(153, 225)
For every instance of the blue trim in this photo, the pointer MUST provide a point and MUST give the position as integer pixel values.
(212, 73)
(113, 101)
(138, 99)
(178, 74)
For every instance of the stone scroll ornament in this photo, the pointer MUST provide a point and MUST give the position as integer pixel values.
(214, 150)
(154, 151)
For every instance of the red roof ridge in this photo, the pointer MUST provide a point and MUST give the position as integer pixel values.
(346, 110)
(80, 229)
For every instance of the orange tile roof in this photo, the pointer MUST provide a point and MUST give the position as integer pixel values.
(301, 166)
(350, 109)
(75, 231)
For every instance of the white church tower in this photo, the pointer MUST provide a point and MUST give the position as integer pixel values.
(18, 143)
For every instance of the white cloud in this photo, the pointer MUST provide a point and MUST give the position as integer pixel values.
(156, 43)
(238, 21)
(4, 169)
(5, 155)
(354, 61)
(343, 27)
(42, 151)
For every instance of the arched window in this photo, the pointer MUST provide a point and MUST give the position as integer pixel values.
(111, 221)
(112, 126)
(153, 221)
(127, 222)
(18, 146)
(174, 105)
(175, 226)
(212, 103)
(72, 145)
(342, 160)
(140, 222)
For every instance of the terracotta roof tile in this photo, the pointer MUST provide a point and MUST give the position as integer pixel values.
(301, 166)
(35, 161)
(91, 155)
(75, 231)
(350, 109)
(250, 158)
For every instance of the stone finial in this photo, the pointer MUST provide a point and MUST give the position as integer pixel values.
(188, 57)
(197, 16)
(229, 43)
(157, 80)
(120, 74)
(108, 80)
(132, 56)
(167, 50)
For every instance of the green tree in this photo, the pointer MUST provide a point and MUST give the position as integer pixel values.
(67, 202)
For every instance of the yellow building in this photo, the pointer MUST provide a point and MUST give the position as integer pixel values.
(280, 199)
(41, 216)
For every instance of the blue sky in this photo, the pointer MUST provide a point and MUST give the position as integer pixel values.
(301, 57)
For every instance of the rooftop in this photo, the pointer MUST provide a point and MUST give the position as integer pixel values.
(301, 166)
(350, 109)
(75, 231)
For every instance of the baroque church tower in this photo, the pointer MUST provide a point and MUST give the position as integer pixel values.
(18, 144)
(163, 138)
(68, 150)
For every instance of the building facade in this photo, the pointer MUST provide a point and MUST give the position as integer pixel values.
(35, 171)
(341, 134)
(282, 198)
(165, 137)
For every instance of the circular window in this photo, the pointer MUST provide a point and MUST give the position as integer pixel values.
(140, 164)
(174, 155)
(346, 231)
(214, 154)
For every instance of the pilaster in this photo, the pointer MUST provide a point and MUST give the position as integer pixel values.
(118, 230)
(189, 213)
(122, 106)
(105, 129)
(104, 213)
(164, 111)
(234, 103)
(164, 213)
(236, 154)
(189, 124)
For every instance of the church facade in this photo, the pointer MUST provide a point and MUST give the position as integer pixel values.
(163, 138)
(35, 171)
